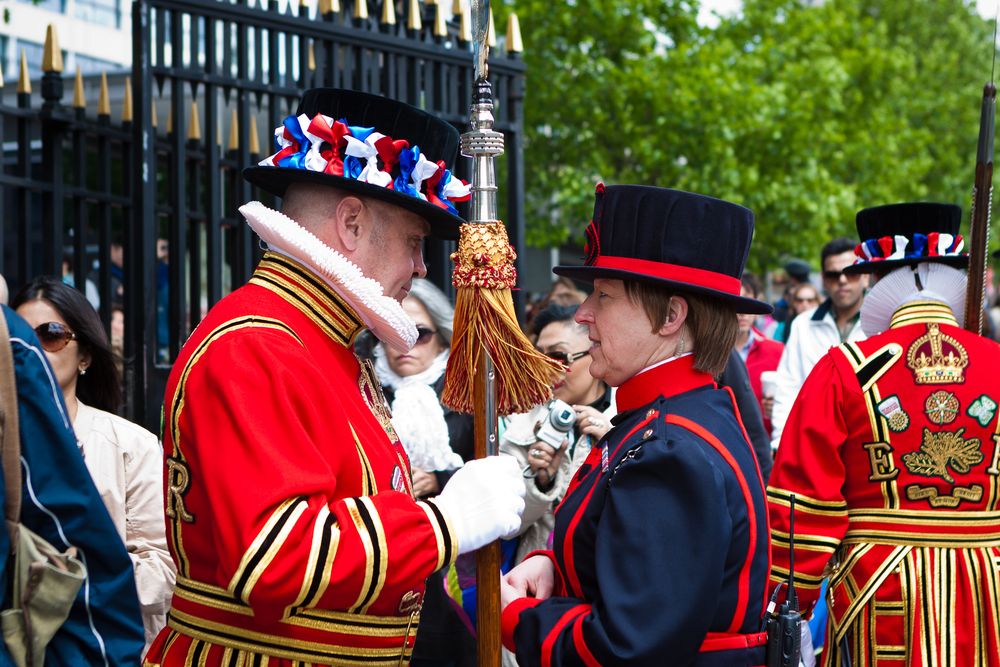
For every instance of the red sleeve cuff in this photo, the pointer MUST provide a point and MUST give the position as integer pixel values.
(559, 589)
(510, 617)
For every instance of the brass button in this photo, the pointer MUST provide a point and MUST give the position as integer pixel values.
(651, 413)
(648, 434)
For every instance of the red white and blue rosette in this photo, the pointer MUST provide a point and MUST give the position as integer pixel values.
(902, 250)
(324, 145)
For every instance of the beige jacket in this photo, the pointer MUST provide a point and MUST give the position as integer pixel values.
(538, 518)
(126, 463)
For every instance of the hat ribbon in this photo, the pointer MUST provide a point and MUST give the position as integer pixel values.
(292, 142)
(324, 129)
(673, 272)
(324, 145)
(897, 247)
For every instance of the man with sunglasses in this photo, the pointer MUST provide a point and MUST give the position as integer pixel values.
(290, 507)
(815, 331)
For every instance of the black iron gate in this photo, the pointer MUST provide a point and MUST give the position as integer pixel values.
(210, 79)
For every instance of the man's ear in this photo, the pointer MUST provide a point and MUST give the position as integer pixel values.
(677, 311)
(348, 223)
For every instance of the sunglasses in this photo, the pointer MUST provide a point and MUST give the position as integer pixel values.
(834, 276)
(54, 336)
(424, 335)
(564, 358)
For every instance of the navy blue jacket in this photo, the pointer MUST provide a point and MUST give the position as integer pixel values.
(661, 544)
(60, 503)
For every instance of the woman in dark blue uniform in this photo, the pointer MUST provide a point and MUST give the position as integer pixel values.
(661, 546)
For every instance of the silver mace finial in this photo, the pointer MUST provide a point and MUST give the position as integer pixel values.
(482, 143)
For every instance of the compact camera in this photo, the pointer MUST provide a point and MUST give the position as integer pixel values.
(557, 423)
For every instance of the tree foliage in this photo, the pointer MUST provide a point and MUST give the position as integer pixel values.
(804, 111)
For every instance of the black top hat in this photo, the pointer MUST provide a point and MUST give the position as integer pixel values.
(676, 239)
(905, 234)
(372, 146)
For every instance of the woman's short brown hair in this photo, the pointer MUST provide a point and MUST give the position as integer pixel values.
(712, 323)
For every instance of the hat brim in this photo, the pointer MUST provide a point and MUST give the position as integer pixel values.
(957, 261)
(444, 225)
(740, 304)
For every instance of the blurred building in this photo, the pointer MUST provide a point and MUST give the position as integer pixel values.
(95, 35)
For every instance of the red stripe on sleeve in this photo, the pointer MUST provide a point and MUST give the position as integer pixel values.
(581, 646)
(550, 639)
(510, 617)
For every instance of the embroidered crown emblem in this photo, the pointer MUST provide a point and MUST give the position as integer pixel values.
(936, 358)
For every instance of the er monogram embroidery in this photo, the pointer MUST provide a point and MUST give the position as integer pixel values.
(940, 451)
(178, 481)
(941, 407)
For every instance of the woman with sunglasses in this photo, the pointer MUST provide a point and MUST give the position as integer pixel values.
(437, 442)
(124, 460)
(547, 470)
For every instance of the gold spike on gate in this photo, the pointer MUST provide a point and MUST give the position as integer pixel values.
(170, 119)
(234, 132)
(152, 113)
(360, 9)
(456, 8)
(514, 43)
(254, 141)
(23, 81)
(194, 124)
(388, 12)
(413, 21)
(465, 26)
(312, 56)
(104, 100)
(52, 61)
(79, 100)
(491, 33)
(329, 6)
(440, 23)
(127, 101)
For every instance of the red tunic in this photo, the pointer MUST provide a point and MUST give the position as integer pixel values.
(893, 453)
(289, 508)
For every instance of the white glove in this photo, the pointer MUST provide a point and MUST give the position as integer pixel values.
(483, 501)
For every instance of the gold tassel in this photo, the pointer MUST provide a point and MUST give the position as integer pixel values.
(484, 316)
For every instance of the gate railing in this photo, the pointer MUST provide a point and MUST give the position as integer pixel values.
(209, 82)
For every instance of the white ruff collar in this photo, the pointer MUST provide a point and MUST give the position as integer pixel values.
(380, 313)
(941, 283)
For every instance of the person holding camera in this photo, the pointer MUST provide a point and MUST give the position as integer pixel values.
(551, 441)
(661, 545)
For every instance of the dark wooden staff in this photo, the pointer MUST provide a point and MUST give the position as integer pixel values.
(979, 226)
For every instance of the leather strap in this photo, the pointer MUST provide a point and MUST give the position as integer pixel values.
(10, 446)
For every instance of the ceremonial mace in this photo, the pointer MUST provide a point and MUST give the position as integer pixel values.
(982, 202)
(979, 225)
(493, 368)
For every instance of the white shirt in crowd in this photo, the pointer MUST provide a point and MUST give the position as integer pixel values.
(812, 334)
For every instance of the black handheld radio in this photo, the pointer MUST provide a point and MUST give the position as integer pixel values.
(783, 621)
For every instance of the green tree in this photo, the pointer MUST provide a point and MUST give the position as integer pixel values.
(803, 111)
